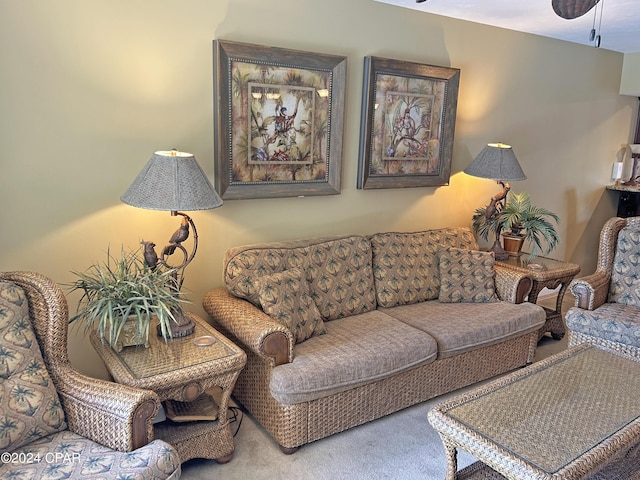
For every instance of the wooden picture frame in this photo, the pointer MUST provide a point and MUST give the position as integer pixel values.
(278, 121)
(407, 124)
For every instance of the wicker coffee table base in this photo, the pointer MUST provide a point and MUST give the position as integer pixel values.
(627, 468)
(577, 386)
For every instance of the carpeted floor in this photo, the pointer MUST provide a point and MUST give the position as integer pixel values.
(400, 446)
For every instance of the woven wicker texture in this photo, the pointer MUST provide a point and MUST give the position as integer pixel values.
(547, 273)
(545, 426)
(295, 425)
(96, 410)
(576, 338)
(172, 181)
(625, 468)
(531, 424)
(180, 370)
(338, 262)
(604, 314)
(592, 290)
(173, 355)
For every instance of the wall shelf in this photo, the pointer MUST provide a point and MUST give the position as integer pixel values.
(628, 201)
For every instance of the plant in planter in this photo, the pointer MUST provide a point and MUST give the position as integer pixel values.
(121, 296)
(523, 222)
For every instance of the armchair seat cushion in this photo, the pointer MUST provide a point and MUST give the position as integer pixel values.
(615, 322)
(68, 455)
(461, 327)
(355, 350)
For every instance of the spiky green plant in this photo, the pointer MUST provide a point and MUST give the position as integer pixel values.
(122, 287)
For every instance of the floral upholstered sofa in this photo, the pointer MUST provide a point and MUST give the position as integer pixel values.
(342, 330)
(607, 311)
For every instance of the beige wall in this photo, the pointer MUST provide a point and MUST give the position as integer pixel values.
(88, 90)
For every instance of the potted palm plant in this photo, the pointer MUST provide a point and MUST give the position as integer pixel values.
(524, 222)
(520, 222)
(121, 296)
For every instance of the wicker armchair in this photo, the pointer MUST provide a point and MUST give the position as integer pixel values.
(607, 310)
(84, 427)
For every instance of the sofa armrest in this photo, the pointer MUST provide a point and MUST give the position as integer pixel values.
(114, 415)
(250, 326)
(511, 285)
(591, 291)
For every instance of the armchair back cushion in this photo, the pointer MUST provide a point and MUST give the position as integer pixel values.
(29, 405)
(625, 283)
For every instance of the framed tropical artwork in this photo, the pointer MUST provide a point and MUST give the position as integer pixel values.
(407, 125)
(278, 120)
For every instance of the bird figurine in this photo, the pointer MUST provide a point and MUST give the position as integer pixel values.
(179, 236)
(150, 255)
(497, 201)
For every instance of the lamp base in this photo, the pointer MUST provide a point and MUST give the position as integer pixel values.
(182, 327)
(498, 251)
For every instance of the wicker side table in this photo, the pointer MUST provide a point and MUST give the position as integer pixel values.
(546, 273)
(181, 370)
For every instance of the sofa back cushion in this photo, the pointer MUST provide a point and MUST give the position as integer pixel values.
(285, 297)
(29, 405)
(405, 265)
(338, 270)
(467, 276)
(625, 274)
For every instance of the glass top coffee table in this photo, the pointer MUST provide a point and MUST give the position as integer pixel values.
(564, 417)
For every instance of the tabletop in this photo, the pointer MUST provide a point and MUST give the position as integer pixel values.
(535, 419)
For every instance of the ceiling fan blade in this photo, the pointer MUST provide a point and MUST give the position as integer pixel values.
(571, 9)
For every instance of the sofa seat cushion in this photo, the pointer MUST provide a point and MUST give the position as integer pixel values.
(615, 322)
(68, 455)
(461, 327)
(355, 351)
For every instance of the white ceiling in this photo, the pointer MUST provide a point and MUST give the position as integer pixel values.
(619, 29)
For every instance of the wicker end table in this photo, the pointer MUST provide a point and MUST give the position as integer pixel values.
(546, 273)
(566, 417)
(182, 370)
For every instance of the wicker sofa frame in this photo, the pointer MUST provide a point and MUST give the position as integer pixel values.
(269, 344)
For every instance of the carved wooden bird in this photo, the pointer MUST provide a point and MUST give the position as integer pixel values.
(150, 255)
(497, 201)
(179, 236)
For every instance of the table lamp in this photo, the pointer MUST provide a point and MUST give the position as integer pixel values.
(173, 181)
(497, 162)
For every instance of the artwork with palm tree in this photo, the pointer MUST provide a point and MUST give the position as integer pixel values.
(408, 121)
(279, 116)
